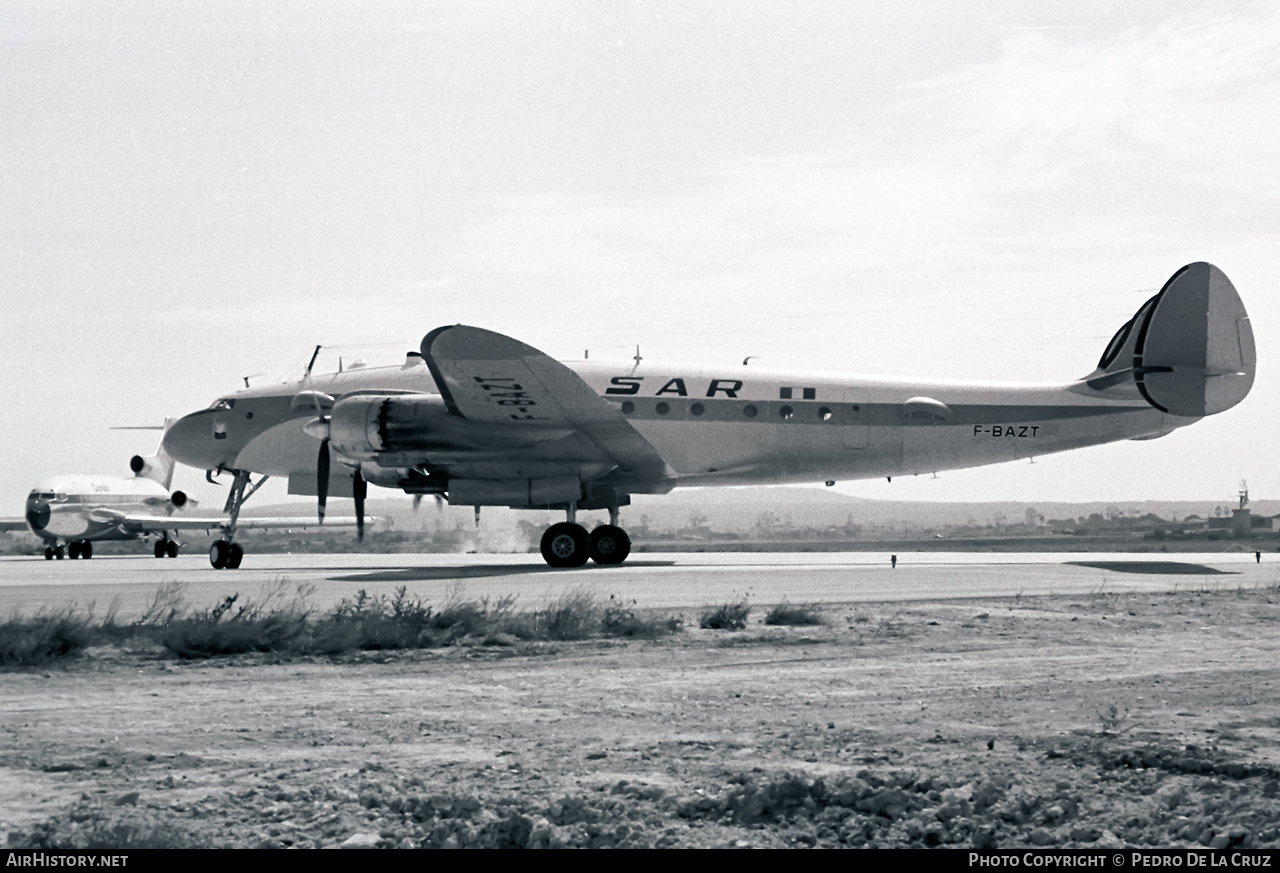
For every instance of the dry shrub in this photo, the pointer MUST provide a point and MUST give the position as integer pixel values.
(728, 616)
(786, 614)
(29, 642)
(621, 622)
(227, 629)
(574, 615)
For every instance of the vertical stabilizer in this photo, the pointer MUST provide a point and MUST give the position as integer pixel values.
(157, 467)
(1188, 351)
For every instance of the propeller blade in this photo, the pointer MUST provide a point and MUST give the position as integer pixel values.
(359, 488)
(322, 478)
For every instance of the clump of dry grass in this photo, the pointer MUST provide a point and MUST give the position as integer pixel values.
(787, 614)
(727, 616)
(283, 621)
(29, 642)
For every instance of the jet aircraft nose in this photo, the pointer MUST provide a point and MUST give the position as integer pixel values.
(37, 514)
(191, 440)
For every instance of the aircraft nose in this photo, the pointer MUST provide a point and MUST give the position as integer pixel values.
(37, 514)
(190, 441)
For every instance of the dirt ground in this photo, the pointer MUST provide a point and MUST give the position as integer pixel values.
(1140, 719)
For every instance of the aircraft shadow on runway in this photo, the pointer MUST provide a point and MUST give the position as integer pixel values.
(423, 574)
(1155, 568)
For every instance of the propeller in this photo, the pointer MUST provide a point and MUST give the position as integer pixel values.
(322, 477)
(359, 488)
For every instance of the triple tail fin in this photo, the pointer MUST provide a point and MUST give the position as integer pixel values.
(1188, 351)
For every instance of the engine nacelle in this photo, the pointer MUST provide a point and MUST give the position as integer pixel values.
(367, 424)
(178, 499)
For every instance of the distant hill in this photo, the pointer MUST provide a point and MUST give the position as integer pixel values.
(738, 510)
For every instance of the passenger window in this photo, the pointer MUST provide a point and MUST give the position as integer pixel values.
(697, 409)
(663, 408)
(786, 412)
(824, 413)
(749, 410)
(628, 407)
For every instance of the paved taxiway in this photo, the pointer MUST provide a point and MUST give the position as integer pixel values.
(652, 580)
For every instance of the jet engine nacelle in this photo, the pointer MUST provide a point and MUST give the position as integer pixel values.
(178, 499)
(368, 424)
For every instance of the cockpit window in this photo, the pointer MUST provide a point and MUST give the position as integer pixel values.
(224, 403)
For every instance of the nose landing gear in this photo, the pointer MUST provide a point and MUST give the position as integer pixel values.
(226, 554)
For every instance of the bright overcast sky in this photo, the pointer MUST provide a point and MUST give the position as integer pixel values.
(193, 193)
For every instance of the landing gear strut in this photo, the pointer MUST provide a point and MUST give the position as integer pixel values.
(226, 553)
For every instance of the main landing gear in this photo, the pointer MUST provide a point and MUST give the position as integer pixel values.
(226, 554)
(568, 544)
(75, 549)
(165, 547)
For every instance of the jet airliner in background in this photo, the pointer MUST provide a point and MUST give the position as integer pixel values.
(72, 512)
(482, 419)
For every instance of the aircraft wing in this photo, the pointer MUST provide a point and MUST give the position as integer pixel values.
(142, 524)
(11, 524)
(491, 378)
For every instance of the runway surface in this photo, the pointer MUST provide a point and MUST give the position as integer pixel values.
(652, 580)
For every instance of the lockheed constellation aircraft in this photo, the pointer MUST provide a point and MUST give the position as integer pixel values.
(76, 510)
(481, 419)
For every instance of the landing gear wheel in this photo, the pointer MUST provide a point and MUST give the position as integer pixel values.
(160, 549)
(57, 552)
(235, 555)
(171, 549)
(218, 554)
(48, 553)
(565, 545)
(73, 550)
(86, 550)
(609, 544)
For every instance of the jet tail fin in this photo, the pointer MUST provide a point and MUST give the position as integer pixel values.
(157, 467)
(1187, 351)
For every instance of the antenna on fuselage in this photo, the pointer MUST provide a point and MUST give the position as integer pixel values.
(637, 358)
(747, 358)
(312, 362)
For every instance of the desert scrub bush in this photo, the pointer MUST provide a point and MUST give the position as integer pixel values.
(787, 614)
(29, 642)
(226, 629)
(574, 615)
(727, 616)
(618, 621)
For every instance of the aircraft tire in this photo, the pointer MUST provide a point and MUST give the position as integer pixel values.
(73, 550)
(218, 554)
(566, 545)
(159, 549)
(235, 554)
(48, 553)
(609, 544)
(86, 550)
(57, 553)
(171, 549)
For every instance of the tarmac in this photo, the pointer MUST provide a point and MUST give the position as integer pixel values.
(646, 581)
